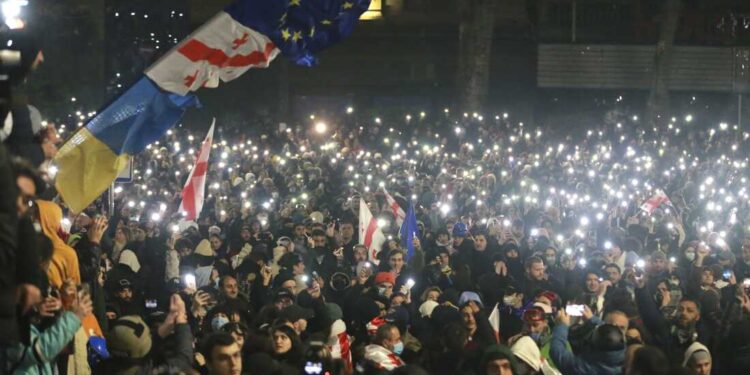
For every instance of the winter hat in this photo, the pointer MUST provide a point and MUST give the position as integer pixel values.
(426, 309)
(696, 351)
(526, 350)
(385, 277)
(334, 311)
(129, 338)
(495, 352)
(282, 277)
(128, 258)
(214, 230)
(204, 249)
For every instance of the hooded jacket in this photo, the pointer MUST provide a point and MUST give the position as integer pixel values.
(692, 349)
(594, 363)
(64, 263)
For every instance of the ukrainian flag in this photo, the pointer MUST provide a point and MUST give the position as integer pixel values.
(247, 34)
(93, 157)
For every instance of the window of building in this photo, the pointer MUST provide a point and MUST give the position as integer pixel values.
(374, 12)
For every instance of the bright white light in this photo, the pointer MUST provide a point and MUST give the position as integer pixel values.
(349, 110)
(321, 127)
(688, 118)
(11, 12)
(155, 217)
(52, 171)
(382, 223)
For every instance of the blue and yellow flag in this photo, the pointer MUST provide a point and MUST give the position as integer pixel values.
(93, 157)
(247, 34)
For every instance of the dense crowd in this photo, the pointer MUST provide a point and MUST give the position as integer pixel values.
(619, 248)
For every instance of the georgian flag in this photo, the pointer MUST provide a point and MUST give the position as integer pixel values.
(194, 190)
(339, 344)
(655, 201)
(370, 234)
(494, 319)
(398, 213)
(221, 49)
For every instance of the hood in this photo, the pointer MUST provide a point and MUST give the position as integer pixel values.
(128, 258)
(692, 349)
(50, 216)
(526, 350)
(204, 248)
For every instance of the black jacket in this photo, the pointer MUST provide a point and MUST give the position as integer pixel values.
(8, 246)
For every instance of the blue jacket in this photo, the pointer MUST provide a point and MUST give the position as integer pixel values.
(595, 363)
(38, 357)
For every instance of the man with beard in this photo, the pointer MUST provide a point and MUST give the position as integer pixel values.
(674, 335)
(321, 258)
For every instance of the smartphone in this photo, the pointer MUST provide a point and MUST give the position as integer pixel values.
(313, 368)
(574, 310)
(151, 304)
(190, 281)
(727, 274)
(410, 283)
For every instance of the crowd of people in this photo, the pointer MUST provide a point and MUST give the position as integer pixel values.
(619, 248)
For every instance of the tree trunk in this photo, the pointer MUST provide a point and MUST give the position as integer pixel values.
(657, 107)
(475, 31)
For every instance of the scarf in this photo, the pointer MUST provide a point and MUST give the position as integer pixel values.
(382, 358)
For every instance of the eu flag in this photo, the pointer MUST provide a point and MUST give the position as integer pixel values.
(409, 230)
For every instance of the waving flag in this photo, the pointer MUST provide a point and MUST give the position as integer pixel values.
(93, 157)
(409, 230)
(656, 201)
(370, 234)
(398, 213)
(494, 319)
(195, 186)
(247, 34)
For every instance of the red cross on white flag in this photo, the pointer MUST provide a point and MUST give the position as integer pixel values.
(195, 187)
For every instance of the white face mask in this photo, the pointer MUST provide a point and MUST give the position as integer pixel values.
(508, 300)
(690, 256)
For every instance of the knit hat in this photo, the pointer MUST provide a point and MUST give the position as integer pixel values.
(385, 277)
(204, 249)
(214, 230)
(696, 350)
(495, 352)
(129, 338)
(282, 277)
(426, 309)
(334, 311)
(526, 350)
